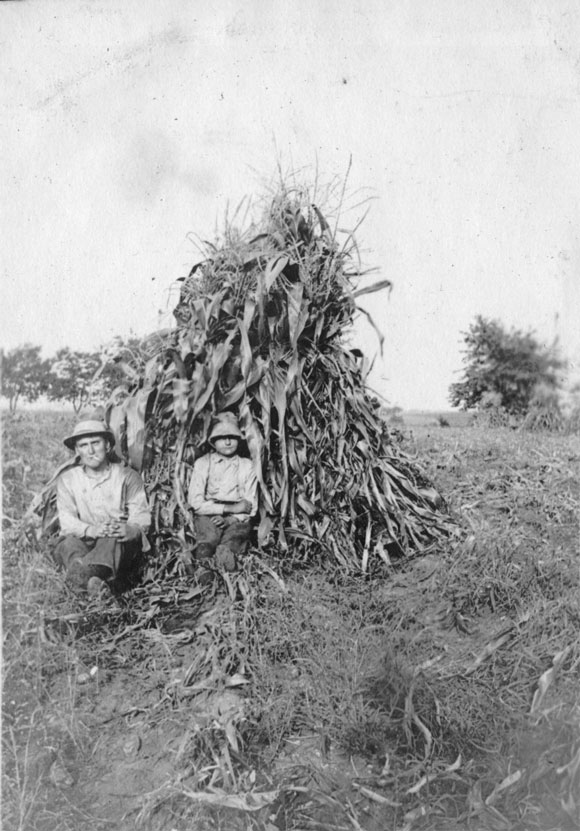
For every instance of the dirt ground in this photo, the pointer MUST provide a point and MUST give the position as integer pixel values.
(441, 694)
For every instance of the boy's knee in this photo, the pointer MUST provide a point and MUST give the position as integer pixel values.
(204, 550)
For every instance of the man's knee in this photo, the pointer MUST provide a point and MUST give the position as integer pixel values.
(69, 548)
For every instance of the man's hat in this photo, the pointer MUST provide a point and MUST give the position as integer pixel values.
(225, 424)
(89, 428)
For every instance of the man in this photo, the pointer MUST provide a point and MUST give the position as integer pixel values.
(102, 510)
(223, 494)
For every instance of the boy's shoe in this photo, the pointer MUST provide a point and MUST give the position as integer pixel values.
(225, 558)
(204, 576)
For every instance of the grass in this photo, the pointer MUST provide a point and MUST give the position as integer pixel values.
(442, 693)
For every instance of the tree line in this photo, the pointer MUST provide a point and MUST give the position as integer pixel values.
(71, 376)
(508, 369)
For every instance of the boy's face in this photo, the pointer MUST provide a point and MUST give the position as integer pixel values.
(226, 445)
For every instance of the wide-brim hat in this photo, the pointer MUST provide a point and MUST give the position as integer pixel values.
(225, 424)
(90, 427)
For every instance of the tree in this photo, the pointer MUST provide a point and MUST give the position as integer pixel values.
(89, 378)
(124, 362)
(506, 365)
(72, 377)
(24, 374)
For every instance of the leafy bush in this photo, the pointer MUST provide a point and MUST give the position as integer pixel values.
(509, 365)
(24, 374)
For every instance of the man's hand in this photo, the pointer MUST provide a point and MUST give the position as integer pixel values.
(93, 532)
(122, 531)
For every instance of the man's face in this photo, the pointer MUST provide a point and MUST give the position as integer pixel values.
(226, 445)
(93, 451)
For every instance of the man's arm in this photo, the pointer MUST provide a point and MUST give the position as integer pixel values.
(68, 515)
(135, 514)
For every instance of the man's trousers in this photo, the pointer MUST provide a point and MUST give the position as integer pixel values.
(103, 553)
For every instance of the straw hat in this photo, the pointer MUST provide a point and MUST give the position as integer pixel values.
(89, 427)
(225, 424)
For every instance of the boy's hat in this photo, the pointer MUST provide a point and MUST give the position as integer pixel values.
(225, 424)
(90, 427)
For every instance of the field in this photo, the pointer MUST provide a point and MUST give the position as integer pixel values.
(441, 695)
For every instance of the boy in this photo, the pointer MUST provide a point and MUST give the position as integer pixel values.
(223, 493)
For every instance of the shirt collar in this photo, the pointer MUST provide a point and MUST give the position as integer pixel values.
(102, 477)
(223, 459)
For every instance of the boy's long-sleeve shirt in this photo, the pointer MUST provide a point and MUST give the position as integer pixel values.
(216, 479)
(83, 501)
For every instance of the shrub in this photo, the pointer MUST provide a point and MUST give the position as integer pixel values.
(509, 365)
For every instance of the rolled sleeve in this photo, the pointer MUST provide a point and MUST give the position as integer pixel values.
(68, 517)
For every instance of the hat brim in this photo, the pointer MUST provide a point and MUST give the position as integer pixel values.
(228, 435)
(71, 441)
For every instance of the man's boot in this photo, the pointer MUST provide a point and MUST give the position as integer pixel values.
(98, 589)
(78, 576)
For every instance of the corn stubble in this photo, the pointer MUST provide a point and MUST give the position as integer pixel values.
(445, 696)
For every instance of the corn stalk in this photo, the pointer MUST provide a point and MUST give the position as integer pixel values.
(261, 326)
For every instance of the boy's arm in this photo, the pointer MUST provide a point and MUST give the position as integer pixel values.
(196, 491)
(250, 487)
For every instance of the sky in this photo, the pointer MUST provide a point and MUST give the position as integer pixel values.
(129, 128)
